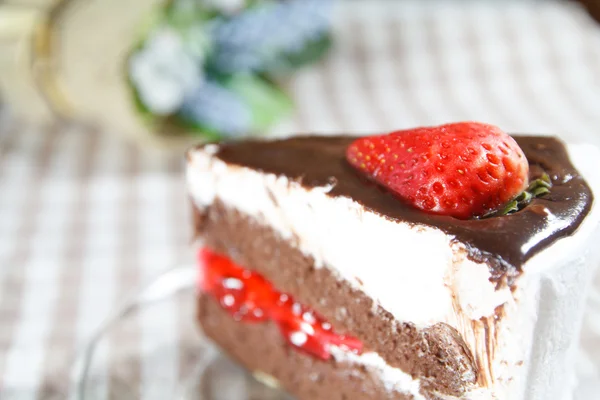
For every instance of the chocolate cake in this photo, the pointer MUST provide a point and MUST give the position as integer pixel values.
(326, 281)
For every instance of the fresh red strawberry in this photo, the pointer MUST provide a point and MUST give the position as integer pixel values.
(462, 170)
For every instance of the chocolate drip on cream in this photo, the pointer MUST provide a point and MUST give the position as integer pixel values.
(505, 242)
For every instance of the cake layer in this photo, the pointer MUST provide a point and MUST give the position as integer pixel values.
(260, 348)
(436, 356)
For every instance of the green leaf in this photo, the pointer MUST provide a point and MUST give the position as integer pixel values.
(537, 192)
(526, 197)
(285, 63)
(311, 52)
(267, 102)
(511, 207)
(536, 188)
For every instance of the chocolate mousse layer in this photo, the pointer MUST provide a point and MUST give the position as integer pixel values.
(436, 355)
(260, 348)
(505, 242)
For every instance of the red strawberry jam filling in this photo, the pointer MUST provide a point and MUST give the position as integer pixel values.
(249, 297)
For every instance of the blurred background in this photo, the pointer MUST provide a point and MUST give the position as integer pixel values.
(100, 99)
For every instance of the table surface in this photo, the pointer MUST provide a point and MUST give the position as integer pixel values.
(84, 218)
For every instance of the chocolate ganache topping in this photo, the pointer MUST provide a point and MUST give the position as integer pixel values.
(504, 242)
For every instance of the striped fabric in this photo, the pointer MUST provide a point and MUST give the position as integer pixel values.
(84, 219)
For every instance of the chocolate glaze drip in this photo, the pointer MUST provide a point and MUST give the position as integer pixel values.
(505, 243)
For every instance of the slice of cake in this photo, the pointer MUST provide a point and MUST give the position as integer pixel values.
(436, 263)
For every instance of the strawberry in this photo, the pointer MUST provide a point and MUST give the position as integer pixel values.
(463, 170)
(249, 297)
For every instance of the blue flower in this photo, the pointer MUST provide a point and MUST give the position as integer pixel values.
(255, 39)
(218, 109)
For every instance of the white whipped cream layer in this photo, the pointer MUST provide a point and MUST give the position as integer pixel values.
(412, 271)
(419, 273)
(393, 379)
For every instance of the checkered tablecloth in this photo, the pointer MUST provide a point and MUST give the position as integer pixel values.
(84, 218)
